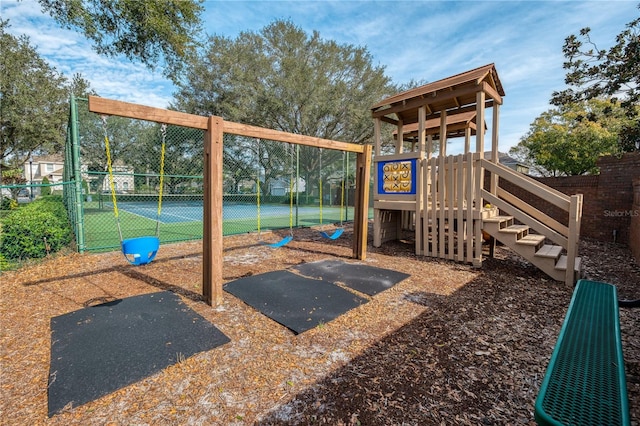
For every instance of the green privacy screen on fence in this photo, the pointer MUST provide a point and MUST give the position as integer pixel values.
(267, 184)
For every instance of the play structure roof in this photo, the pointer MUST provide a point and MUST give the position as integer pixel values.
(455, 94)
(456, 126)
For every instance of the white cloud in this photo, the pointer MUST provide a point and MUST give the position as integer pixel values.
(421, 40)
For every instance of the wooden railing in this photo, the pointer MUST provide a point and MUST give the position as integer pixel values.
(447, 188)
(565, 235)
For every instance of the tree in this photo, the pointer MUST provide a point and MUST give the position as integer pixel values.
(285, 79)
(148, 31)
(46, 190)
(594, 72)
(33, 97)
(568, 140)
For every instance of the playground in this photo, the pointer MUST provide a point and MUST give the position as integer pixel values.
(449, 344)
(448, 314)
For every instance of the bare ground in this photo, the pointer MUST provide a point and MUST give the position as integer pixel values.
(449, 345)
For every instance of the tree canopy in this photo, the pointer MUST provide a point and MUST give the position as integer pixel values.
(148, 31)
(612, 73)
(285, 79)
(33, 97)
(568, 140)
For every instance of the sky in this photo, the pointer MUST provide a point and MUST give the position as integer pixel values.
(412, 40)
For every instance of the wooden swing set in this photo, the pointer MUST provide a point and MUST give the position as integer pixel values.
(215, 128)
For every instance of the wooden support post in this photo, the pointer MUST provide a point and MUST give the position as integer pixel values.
(376, 136)
(422, 131)
(479, 180)
(361, 213)
(443, 132)
(493, 188)
(449, 203)
(212, 232)
(467, 140)
(575, 215)
(421, 200)
(400, 138)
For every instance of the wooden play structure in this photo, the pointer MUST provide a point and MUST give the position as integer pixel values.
(454, 203)
(215, 128)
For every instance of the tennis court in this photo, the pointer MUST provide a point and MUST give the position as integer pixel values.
(181, 220)
(192, 211)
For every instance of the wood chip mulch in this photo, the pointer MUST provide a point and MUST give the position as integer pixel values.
(450, 345)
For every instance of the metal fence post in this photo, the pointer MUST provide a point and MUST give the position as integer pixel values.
(77, 174)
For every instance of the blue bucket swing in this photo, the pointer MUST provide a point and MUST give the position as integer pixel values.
(138, 250)
(339, 231)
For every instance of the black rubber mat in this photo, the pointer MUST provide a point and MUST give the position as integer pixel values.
(100, 349)
(296, 302)
(363, 278)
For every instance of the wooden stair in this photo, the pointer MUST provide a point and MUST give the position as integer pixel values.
(549, 258)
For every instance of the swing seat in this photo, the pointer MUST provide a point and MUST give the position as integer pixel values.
(286, 240)
(141, 250)
(333, 236)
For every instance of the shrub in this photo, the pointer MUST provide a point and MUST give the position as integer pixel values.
(7, 203)
(46, 190)
(37, 229)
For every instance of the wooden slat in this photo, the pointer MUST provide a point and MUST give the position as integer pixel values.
(441, 206)
(388, 204)
(433, 166)
(460, 207)
(419, 206)
(397, 157)
(470, 194)
(451, 191)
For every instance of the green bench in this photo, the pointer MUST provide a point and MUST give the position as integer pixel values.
(585, 380)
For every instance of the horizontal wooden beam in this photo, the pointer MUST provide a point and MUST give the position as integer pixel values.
(143, 112)
(278, 135)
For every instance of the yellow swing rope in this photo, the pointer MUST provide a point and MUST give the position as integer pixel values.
(320, 187)
(291, 194)
(258, 190)
(163, 131)
(345, 163)
(110, 172)
(112, 185)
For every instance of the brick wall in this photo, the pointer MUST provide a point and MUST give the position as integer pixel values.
(634, 229)
(608, 199)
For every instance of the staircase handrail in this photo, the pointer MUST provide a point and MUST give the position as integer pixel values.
(567, 236)
(527, 183)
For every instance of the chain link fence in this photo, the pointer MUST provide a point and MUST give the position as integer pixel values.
(267, 184)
